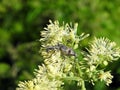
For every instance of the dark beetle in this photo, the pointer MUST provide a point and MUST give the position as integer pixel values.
(64, 49)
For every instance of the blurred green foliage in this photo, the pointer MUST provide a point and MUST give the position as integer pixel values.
(22, 20)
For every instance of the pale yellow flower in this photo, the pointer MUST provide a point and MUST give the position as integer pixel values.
(106, 77)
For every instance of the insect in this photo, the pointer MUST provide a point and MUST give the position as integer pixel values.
(64, 49)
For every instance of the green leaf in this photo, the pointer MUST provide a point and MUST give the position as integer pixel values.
(4, 69)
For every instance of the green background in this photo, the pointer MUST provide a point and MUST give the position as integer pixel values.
(22, 20)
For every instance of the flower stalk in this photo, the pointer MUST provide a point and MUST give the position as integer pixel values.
(83, 85)
(62, 61)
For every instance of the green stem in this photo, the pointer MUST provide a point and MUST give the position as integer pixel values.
(83, 85)
(82, 81)
(71, 78)
(78, 68)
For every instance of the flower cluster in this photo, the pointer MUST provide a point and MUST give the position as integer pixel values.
(42, 81)
(106, 76)
(101, 52)
(60, 44)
